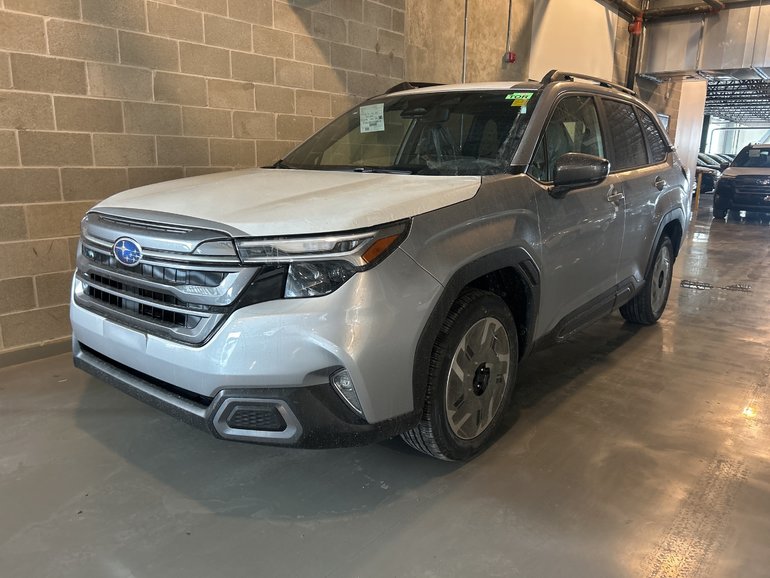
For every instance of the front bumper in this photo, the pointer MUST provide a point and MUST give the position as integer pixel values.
(308, 417)
(278, 356)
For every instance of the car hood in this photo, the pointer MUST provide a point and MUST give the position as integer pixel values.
(270, 202)
(746, 171)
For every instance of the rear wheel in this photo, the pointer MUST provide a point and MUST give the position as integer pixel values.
(470, 379)
(647, 306)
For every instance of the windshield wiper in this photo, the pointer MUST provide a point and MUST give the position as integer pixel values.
(281, 164)
(386, 170)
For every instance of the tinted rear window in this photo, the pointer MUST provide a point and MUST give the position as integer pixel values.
(627, 138)
(658, 148)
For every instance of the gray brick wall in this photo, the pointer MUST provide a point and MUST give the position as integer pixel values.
(100, 95)
(622, 47)
(663, 97)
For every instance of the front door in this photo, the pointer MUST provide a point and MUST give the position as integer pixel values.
(581, 233)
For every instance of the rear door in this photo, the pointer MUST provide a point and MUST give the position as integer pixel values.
(581, 232)
(639, 160)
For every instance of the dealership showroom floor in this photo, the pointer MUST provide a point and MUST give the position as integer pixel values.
(629, 452)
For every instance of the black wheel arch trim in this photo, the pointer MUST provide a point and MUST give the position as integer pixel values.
(675, 214)
(516, 258)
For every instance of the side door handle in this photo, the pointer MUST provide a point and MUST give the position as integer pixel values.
(660, 183)
(614, 195)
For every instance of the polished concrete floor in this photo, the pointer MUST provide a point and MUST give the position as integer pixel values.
(630, 452)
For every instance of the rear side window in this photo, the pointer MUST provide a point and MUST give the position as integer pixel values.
(627, 138)
(573, 127)
(658, 148)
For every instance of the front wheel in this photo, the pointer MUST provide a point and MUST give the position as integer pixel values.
(470, 378)
(647, 306)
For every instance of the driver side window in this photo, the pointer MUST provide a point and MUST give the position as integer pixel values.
(574, 127)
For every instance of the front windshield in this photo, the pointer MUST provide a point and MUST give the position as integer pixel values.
(752, 158)
(448, 133)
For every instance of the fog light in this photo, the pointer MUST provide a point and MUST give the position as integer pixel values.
(343, 383)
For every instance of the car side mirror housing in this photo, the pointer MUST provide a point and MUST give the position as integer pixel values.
(577, 170)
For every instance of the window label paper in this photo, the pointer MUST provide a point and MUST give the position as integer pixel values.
(372, 118)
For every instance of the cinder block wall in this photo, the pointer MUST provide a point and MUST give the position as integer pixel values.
(622, 49)
(97, 96)
(663, 97)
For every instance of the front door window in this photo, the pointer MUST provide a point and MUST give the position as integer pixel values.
(574, 127)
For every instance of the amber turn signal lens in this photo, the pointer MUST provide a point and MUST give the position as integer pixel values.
(378, 248)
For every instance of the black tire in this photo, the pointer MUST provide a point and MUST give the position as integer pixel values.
(449, 435)
(647, 306)
(719, 213)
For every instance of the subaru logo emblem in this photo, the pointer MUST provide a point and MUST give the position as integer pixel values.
(127, 252)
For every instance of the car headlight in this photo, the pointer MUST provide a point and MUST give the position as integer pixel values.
(316, 278)
(319, 265)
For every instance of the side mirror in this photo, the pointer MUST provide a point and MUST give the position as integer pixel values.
(577, 170)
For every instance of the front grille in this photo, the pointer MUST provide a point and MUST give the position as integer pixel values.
(176, 295)
(129, 289)
(749, 197)
(751, 191)
(172, 275)
(147, 310)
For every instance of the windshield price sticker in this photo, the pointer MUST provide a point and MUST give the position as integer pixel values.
(519, 98)
(372, 118)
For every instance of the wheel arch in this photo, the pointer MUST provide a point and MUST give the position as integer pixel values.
(513, 275)
(674, 231)
(671, 225)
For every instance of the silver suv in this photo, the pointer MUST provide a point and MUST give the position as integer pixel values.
(389, 275)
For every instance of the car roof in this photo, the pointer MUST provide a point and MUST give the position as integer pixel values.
(553, 77)
(471, 86)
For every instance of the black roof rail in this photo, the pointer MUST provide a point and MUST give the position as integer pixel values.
(559, 75)
(410, 85)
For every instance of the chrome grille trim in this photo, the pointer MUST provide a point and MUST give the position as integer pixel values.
(155, 257)
(223, 294)
(181, 242)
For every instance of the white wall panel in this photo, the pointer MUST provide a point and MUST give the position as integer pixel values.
(732, 40)
(690, 121)
(671, 45)
(573, 36)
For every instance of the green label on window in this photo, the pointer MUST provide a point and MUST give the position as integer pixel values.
(519, 96)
